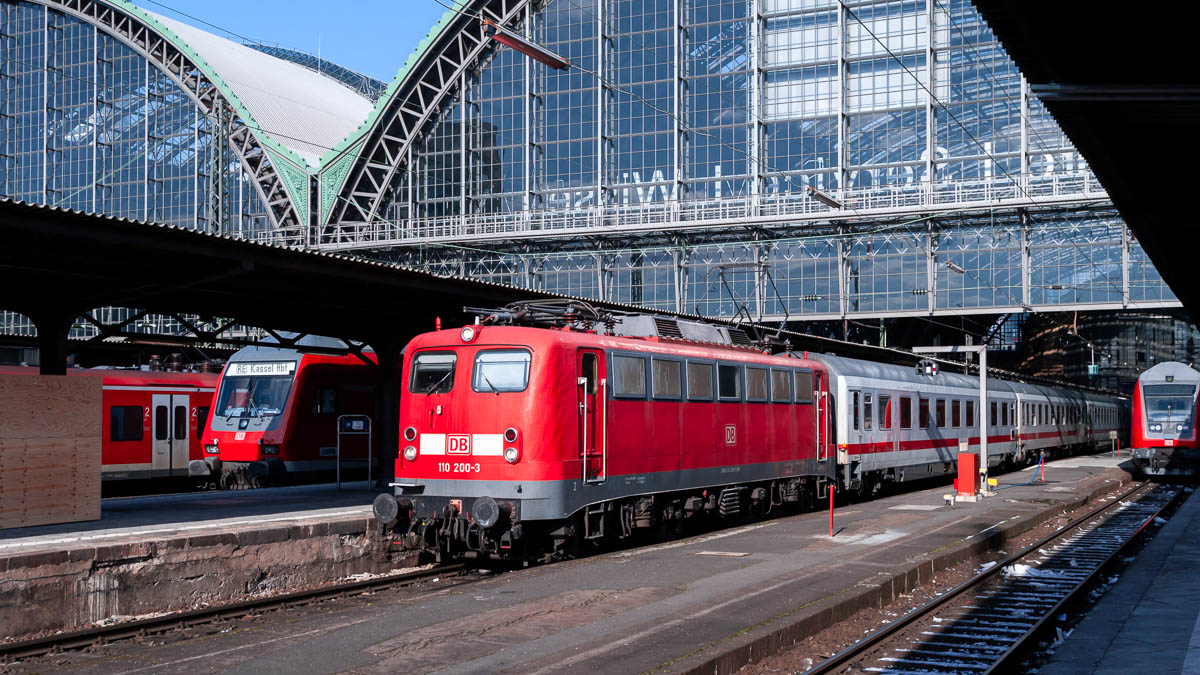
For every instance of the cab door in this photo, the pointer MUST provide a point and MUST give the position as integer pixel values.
(172, 434)
(591, 390)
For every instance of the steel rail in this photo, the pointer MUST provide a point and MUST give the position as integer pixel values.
(102, 634)
(849, 653)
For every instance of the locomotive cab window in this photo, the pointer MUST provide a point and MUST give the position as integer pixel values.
(804, 386)
(729, 382)
(500, 370)
(699, 381)
(432, 373)
(756, 384)
(591, 374)
(125, 423)
(629, 376)
(326, 401)
(781, 386)
(201, 418)
(667, 379)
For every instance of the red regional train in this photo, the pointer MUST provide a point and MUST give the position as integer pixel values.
(276, 413)
(151, 420)
(1164, 420)
(527, 441)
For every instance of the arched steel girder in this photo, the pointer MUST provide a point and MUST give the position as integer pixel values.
(438, 73)
(162, 52)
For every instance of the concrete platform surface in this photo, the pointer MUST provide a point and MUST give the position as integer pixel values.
(147, 518)
(681, 605)
(1149, 621)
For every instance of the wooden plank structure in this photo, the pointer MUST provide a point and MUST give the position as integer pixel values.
(50, 442)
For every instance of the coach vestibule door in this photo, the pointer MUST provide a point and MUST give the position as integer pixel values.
(172, 433)
(591, 386)
(822, 405)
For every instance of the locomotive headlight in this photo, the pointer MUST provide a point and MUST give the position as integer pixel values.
(211, 448)
(410, 453)
(468, 333)
(270, 449)
(512, 455)
(1178, 427)
(1155, 427)
(410, 434)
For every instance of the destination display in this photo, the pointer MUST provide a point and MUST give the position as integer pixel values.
(247, 368)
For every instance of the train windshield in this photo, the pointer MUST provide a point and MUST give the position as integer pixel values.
(432, 373)
(253, 395)
(1169, 402)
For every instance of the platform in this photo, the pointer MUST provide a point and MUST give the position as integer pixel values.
(701, 604)
(1149, 621)
(165, 553)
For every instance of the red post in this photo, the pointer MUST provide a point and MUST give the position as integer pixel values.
(1042, 467)
(831, 509)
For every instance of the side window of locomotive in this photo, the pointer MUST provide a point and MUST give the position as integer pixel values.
(855, 412)
(781, 386)
(630, 376)
(326, 401)
(501, 370)
(885, 412)
(666, 377)
(923, 416)
(868, 412)
(941, 413)
(591, 375)
(756, 384)
(699, 381)
(729, 382)
(804, 387)
(161, 423)
(125, 423)
(432, 373)
(955, 413)
(906, 412)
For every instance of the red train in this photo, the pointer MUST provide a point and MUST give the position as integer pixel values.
(276, 414)
(151, 420)
(1165, 410)
(522, 441)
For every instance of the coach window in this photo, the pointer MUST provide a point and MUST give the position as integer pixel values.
(326, 401)
(432, 373)
(906, 413)
(970, 421)
(201, 418)
(781, 386)
(941, 413)
(756, 384)
(665, 377)
(160, 422)
(924, 418)
(993, 413)
(729, 382)
(955, 413)
(629, 376)
(854, 410)
(885, 412)
(125, 423)
(868, 414)
(699, 381)
(181, 420)
(1003, 414)
(501, 370)
(804, 386)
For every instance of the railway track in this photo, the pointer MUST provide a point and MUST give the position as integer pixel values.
(988, 623)
(83, 639)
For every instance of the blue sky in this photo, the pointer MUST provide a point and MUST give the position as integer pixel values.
(370, 36)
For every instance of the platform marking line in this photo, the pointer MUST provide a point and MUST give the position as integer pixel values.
(724, 554)
(915, 507)
(215, 524)
(689, 542)
(209, 655)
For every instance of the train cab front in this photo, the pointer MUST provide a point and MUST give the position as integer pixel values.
(472, 465)
(246, 428)
(1164, 425)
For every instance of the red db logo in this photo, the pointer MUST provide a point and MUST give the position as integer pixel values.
(458, 445)
(730, 434)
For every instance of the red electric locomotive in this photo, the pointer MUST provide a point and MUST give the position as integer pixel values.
(1165, 410)
(513, 435)
(151, 420)
(276, 413)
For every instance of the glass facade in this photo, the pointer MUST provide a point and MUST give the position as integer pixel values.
(684, 111)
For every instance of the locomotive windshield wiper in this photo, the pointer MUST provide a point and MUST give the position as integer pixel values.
(437, 384)
(489, 383)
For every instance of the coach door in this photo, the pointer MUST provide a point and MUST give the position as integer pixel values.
(822, 409)
(591, 390)
(171, 434)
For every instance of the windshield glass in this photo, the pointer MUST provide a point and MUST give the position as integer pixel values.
(1169, 403)
(500, 370)
(432, 373)
(253, 396)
